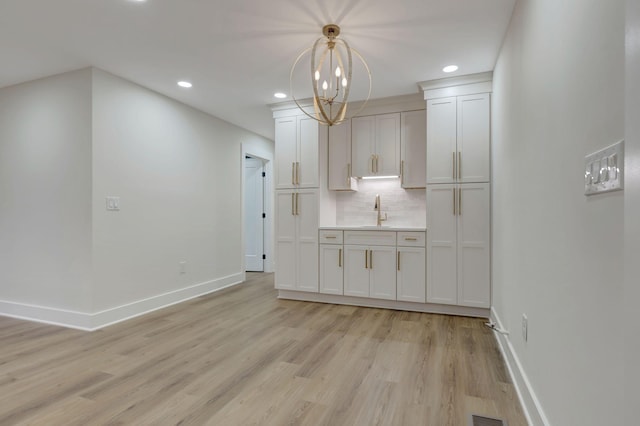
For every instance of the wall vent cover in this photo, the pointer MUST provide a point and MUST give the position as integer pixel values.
(476, 420)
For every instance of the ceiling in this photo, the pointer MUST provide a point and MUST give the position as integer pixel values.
(239, 53)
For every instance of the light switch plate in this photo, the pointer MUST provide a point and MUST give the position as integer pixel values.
(604, 170)
(113, 203)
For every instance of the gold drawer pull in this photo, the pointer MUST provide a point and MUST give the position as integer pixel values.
(333, 237)
(410, 239)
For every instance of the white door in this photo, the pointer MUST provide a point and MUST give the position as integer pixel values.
(340, 157)
(285, 151)
(285, 276)
(356, 271)
(473, 140)
(306, 213)
(413, 147)
(253, 214)
(363, 145)
(441, 140)
(382, 264)
(411, 274)
(307, 153)
(388, 144)
(474, 281)
(331, 261)
(441, 244)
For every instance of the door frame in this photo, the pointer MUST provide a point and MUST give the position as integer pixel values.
(267, 160)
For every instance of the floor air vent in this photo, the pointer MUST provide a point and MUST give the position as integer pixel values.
(485, 421)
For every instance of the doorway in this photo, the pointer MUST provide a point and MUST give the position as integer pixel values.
(254, 213)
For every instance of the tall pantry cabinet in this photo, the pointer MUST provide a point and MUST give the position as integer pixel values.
(297, 202)
(458, 198)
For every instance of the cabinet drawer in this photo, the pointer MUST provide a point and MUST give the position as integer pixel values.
(377, 238)
(411, 239)
(330, 236)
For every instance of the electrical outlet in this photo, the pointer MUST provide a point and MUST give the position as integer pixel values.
(525, 327)
(183, 267)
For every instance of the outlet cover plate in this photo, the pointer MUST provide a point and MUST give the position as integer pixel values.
(604, 170)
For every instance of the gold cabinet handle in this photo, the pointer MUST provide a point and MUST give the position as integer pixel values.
(410, 239)
(330, 237)
(459, 165)
(453, 162)
(372, 159)
(366, 259)
(370, 259)
(339, 258)
(297, 173)
(348, 174)
(377, 164)
(297, 204)
(402, 172)
(293, 211)
(459, 201)
(454, 201)
(293, 173)
(398, 260)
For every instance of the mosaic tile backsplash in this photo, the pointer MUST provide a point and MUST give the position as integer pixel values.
(404, 207)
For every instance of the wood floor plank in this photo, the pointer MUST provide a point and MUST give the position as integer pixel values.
(243, 357)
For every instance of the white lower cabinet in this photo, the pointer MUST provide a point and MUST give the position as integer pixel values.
(370, 271)
(331, 261)
(411, 274)
(297, 240)
(458, 245)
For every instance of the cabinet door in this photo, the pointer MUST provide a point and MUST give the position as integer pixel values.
(285, 276)
(441, 244)
(363, 145)
(441, 140)
(382, 266)
(307, 148)
(340, 157)
(331, 261)
(474, 134)
(411, 274)
(285, 152)
(387, 145)
(413, 149)
(356, 271)
(307, 240)
(474, 281)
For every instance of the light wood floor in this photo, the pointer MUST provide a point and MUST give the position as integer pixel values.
(242, 357)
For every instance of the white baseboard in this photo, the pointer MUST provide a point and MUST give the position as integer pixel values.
(98, 320)
(431, 308)
(530, 403)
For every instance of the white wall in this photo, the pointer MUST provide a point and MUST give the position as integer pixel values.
(178, 174)
(45, 194)
(557, 255)
(632, 212)
(67, 142)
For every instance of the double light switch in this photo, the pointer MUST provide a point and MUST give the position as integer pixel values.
(604, 170)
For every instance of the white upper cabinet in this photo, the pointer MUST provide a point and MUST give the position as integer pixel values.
(376, 145)
(413, 146)
(340, 170)
(458, 139)
(474, 134)
(296, 152)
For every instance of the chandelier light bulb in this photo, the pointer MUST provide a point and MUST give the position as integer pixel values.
(344, 82)
(325, 85)
(317, 75)
(338, 72)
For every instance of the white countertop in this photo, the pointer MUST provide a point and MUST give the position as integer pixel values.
(373, 228)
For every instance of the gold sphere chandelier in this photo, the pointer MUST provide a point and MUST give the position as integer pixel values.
(331, 77)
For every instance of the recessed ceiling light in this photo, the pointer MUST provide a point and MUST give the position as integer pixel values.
(280, 95)
(185, 84)
(450, 68)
